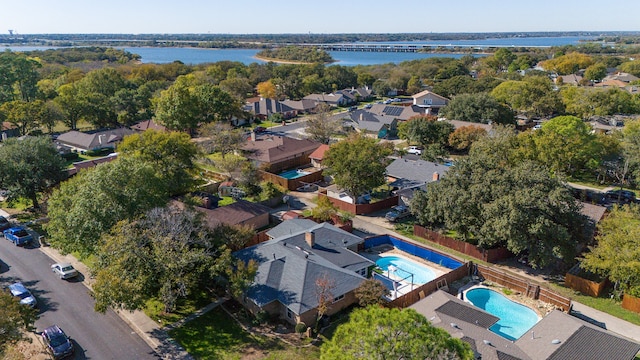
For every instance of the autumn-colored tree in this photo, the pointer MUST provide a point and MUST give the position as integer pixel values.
(266, 89)
(371, 292)
(463, 137)
(324, 293)
(569, 63)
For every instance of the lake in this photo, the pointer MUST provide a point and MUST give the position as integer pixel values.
(346, 58)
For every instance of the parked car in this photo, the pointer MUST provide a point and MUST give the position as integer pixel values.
(20, 291)
(57, 342)
(4, 223)
(64, 270)
(397, 212)
(368, 106)
(259, 129)
(625, 196)
(18, 235)
(415, 150)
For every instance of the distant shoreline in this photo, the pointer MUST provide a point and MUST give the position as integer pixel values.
(283, 61)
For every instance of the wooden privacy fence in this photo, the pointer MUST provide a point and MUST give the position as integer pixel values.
(488, 255)
(432, 286)
(631, 303)
(524, 286)
(361, 209)
(292, 184)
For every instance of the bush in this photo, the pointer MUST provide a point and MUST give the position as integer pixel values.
(70, 156)
(301, 327)
(262, 317)
(99, 152)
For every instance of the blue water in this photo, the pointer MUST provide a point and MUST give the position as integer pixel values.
(414, 250)
(347, 58)
(292, 174)
(405, 267)
(515, 319)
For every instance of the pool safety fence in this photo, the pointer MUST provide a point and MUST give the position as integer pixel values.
(413, 249)
(529, 288)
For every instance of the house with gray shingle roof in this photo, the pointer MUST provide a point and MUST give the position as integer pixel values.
(558, 336)
(431, 101)
(80, 141)
(263, 108)
(367, 122)
(332, 99)
(299, 254)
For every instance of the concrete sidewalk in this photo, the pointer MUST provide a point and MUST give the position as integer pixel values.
(151, 332)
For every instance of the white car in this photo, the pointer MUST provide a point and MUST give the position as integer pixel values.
(415, 150)
(64, 270)
(26, 298)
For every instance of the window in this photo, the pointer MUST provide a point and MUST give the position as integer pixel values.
(338, 298)
(289, 314)
(427, 101)
(362, 272)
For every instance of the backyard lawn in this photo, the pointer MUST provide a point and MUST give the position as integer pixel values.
(216, 335)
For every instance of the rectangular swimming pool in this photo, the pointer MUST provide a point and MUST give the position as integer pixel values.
(414, 250)
(293, 174)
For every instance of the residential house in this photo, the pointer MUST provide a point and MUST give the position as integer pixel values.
(318, 155)
(406, 176)
(558, 336)
(621, 76)
(148, 125)
(81, 142)
(262, 108)
(398, 112)
(332, 99)
(382, 126)
(276, 153)
(294, 263)
(8, 130)
(571, 79)
(304, 106)
(77, 166)
(432, 102)
(241, 212)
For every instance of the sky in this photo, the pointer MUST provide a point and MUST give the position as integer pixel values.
(304, 16)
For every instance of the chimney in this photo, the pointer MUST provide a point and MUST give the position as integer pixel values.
(310, 238)
(361, 117)
(436, 176)
(253, 136)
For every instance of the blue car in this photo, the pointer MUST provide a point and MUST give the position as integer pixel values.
(18, 235)
(26, 298)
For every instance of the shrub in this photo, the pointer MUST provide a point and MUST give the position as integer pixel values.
(99, 152)
(70, 156)
(507, 291)
(301, 327)
(262, 317)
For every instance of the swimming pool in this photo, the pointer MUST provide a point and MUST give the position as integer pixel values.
(515, 319)
(293, 174)
(404, 268)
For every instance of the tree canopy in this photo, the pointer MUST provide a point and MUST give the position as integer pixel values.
(166, 255)
(30, 166)
(381, 333)
(90, 203)
(534, 96)
(357, 164)
(15, 319)
(617, 253)
(492, 199)
(478, 108)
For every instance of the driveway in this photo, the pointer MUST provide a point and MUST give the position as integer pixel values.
(68, 304)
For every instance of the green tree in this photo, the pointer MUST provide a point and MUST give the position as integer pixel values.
(534, 96)
(478, 107)
(167, 255)
(222, 138)
(380, 333)
(172, 154)
(324, 210)
(90, 203)
(72, 106)
(631, 67)
(15, 319)
(596, 72)
(426, 130)
(630, 144)
(483, 199)
(19, 77)
(30, 167)
(357, 164)
(617, 253)
(568, 64)
(565, 144)
(177, 108)
(371, 292)
(27, 116)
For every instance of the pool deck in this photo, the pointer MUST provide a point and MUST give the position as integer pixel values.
(539, 307)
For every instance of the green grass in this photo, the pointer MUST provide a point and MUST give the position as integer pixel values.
(226, 200)
(185, 307)
(216, 335)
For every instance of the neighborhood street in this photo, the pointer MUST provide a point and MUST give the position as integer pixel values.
(69, 305)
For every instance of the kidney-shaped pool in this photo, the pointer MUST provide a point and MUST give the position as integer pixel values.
(515, 319)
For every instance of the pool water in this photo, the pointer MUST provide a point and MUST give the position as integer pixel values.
(405, 267)
(515, 319)
(293, 174)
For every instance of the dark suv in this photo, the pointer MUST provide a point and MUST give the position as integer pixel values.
(624, 196)
(4, 223)
(57, 342)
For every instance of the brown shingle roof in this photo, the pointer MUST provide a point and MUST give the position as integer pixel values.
(273, 149)
(234, 214)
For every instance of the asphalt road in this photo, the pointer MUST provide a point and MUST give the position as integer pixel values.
(68, 304)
